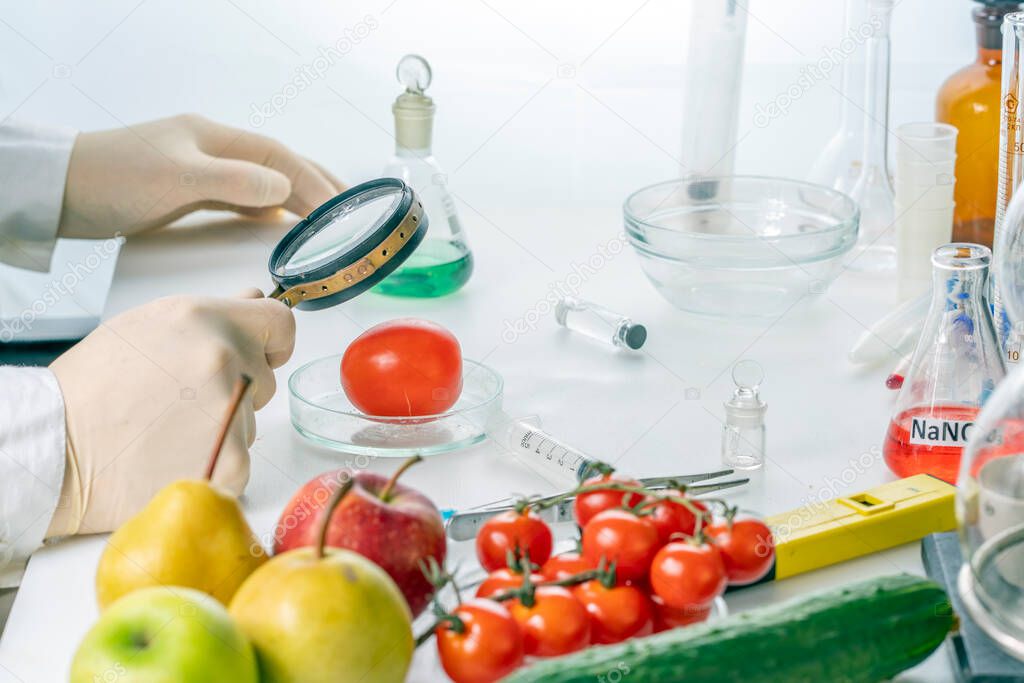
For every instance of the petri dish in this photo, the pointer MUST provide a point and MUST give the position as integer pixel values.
(322, 413)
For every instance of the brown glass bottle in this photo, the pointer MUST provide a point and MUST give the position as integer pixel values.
(969, 100)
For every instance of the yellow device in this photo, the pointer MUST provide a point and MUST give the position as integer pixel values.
(826, 532)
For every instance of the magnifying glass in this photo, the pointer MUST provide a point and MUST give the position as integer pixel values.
(347, 245)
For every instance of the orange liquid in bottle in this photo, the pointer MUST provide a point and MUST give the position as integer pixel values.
(928, 440)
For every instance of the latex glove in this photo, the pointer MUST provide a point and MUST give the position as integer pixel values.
(136, 178)
(144, 397)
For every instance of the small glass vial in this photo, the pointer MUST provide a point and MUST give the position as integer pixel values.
(955, 368)
(443, 262)
(743, 434)
(597, 322)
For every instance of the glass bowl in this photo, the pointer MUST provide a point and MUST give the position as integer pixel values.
(322, 413)
(740, 246)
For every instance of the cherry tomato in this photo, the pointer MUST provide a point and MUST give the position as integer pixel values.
(403, 367)
(616, 613)
(489, 647)
(501, 580)
(621, 537)
(685, 575)
(518, 532)
(747, 549)
(555, 624)
(565, 565)
(666, 618)
(671, 518)
(589, 504)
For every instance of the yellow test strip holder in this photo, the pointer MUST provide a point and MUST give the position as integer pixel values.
(829, 531)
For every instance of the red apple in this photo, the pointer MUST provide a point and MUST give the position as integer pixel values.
(394, 525)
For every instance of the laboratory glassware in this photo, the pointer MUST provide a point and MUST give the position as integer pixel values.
(954, 369)
(597, 322)
(754, 250)
(462, 525)
(990, 492)
(347, 245)
(873, 190)
(893, 334)
(443, 263)
(969, 100)
(711, 92)
(743, 432)
(839, 163)
(1011, 170)
(924, 201)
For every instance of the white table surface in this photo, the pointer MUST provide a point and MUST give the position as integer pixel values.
(630, 409)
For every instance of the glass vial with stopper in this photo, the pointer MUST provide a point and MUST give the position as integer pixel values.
(743, 434)
(872, 190)
(954, 369)
(597, 322)
(839, 164)
(443, 262)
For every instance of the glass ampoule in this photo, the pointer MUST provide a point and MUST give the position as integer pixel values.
(597, 322)
(954, 369)
(443, 262)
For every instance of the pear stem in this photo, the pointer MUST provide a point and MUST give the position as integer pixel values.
(236, 399)
(385, 493)
(332, 505)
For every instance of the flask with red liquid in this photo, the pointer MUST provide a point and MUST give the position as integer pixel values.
(954, 369)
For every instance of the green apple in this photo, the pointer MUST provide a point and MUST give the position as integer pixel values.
(165, 635)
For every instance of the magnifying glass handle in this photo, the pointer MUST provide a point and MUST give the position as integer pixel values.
(279, 294)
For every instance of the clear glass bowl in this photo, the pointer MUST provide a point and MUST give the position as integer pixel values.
(323, 414)
(740, 246)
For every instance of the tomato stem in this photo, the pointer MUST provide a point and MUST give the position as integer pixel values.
(332, 505)
(385, 493)
(452, 620)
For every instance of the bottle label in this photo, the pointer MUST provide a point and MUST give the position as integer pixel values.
(932, 432)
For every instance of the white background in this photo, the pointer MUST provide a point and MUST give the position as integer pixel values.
(539, 165)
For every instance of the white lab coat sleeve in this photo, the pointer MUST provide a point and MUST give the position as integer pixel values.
(31, 463)
(33, 169)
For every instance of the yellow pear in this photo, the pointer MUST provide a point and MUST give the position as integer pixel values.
(190, 534)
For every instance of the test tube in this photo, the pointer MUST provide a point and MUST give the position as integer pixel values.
(597, 322)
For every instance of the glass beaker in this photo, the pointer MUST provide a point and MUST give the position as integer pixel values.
(443, 262)
(872, 190)
(954, 369)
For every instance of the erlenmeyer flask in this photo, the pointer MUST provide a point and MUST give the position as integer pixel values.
(954, 369)
(442, 263)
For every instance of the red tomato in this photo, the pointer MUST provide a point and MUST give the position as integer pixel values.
(502, 580)
(671, 518)
(403, 367)
(666, 617)
(520, 533)
(556, 623)
(621, 537)
(489, 647)
(587, 505)
(565, 565)
(747, 549)
(616, 613)
(685, 575)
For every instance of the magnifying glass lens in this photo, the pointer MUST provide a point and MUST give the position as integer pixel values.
(348, 245)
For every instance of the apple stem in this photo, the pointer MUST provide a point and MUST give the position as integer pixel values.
(332, 505)
(385, 493)
(236, 399)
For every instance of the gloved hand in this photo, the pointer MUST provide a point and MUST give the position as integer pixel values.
(132, 179)
(145, 394)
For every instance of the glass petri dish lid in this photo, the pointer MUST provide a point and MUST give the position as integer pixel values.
(322, 413)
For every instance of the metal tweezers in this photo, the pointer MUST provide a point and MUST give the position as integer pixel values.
(463, 526)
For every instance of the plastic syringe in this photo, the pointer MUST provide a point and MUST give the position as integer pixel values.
(541, 452)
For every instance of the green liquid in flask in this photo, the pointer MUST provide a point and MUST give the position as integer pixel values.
(437, 267)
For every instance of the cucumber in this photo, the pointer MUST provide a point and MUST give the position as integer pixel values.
(862, 633)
